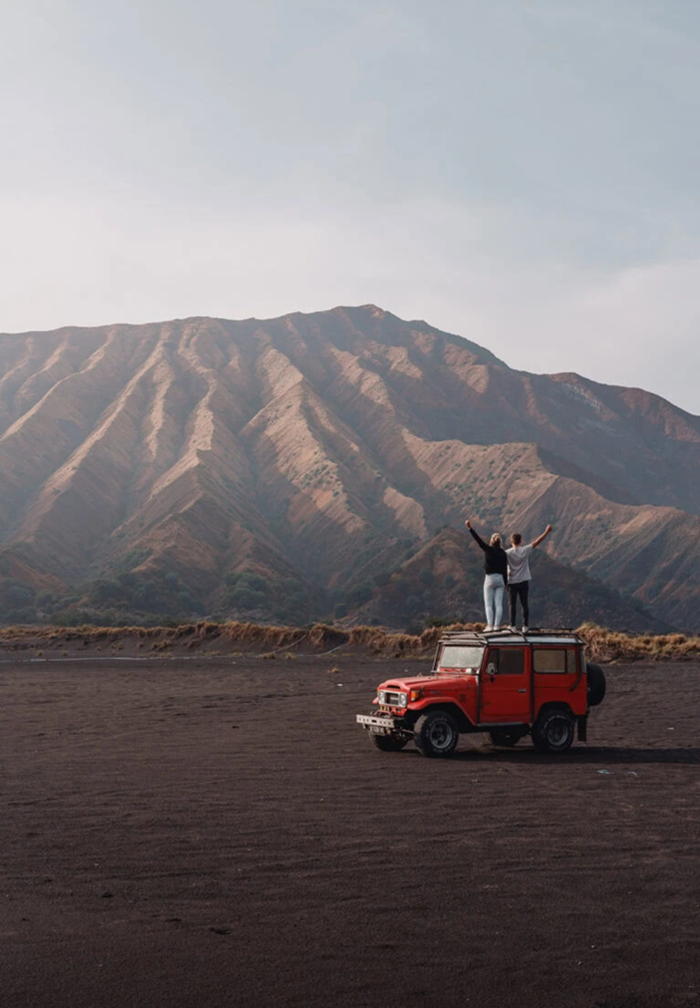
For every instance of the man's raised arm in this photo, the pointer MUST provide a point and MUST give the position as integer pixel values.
(541, 538)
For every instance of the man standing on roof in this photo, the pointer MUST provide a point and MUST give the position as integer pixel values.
(519, 575)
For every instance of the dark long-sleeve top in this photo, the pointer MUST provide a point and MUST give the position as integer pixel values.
(495, 559)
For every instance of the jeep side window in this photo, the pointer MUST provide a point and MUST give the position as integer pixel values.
(508, 661)
(550, 660)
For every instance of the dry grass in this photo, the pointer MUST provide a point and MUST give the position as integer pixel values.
(238, 639)
(607, 645)
(250, 636)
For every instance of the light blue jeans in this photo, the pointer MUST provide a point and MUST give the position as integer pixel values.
(494, 594)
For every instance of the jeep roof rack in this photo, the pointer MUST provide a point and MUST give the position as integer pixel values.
(505, 633)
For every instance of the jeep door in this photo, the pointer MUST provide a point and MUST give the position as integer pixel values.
(506, 695)
(558, 677)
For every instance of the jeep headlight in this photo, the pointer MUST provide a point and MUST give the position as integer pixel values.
(403, 700)
(381, 696)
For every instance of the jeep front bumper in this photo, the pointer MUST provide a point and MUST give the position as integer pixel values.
(377, 725)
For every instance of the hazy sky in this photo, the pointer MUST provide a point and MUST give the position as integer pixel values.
(524, 172)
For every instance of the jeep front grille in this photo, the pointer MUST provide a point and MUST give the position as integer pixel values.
(391, 698)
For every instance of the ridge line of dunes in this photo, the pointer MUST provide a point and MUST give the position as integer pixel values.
(318, 640)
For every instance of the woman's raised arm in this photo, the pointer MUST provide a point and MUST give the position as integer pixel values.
(476, 535)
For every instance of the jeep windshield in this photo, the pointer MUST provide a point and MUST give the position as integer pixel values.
(461, 658)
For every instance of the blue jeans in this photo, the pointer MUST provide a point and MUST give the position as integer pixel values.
(494, 593)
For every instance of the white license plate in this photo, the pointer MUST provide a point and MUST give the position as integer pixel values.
(376, 730)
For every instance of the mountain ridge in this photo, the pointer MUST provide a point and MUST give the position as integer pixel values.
(289, 448)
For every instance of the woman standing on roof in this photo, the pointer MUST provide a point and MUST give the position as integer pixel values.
(495, 571)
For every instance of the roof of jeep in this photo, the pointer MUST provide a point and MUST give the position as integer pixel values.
(481, 637)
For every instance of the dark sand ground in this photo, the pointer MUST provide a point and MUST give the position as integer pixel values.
(210, 834)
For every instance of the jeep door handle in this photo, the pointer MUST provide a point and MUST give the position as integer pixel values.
(522, 691)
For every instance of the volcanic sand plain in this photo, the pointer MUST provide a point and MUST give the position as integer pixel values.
(214, 833)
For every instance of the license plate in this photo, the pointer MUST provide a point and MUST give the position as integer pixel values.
(376, 730)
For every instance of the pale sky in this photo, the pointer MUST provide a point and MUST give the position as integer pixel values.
(523, 172)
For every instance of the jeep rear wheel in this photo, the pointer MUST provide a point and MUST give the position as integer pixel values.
(388, 743)
(505, 738)
(436, 734)
(553, 731)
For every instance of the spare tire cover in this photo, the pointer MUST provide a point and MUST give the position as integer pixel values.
(596, 684)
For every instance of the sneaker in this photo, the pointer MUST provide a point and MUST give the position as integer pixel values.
(488, 629)
(513, 629)
(525, 629)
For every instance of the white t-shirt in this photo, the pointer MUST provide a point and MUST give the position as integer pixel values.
(519, 563)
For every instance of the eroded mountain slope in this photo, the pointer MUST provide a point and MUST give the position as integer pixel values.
(313, 448)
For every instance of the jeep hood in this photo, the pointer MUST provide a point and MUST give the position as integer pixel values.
(424, 682)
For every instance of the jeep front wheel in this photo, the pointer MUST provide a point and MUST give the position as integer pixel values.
(388, 743)
(553, 731)
(436, 734)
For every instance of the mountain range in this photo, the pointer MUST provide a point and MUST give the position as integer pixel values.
(324, 463)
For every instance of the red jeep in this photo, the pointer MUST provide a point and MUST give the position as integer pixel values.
(504, 683)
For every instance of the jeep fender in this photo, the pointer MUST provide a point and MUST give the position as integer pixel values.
(442, 703)
(554, 705)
